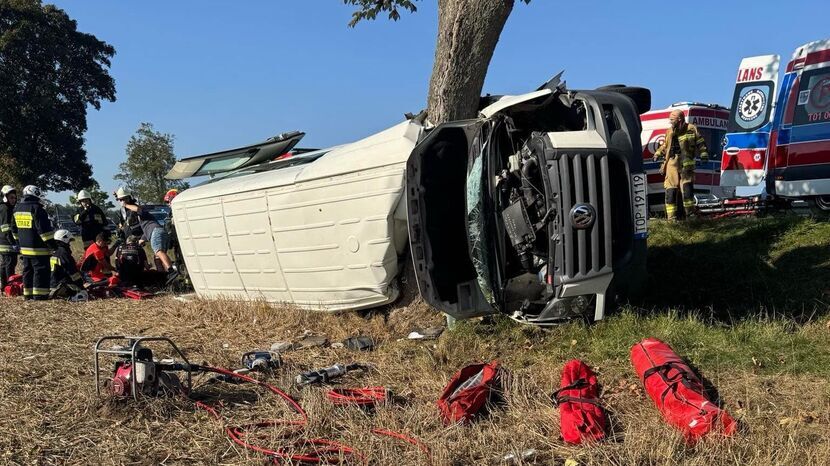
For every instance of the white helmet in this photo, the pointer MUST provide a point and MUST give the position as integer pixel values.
(123, 192)
(32, 190)
(83, 194)
(6, 190)
(64, 236)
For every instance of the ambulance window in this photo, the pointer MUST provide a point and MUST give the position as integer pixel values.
(813, 105)
(751, 106)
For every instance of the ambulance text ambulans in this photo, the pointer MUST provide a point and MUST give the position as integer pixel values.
(711, 120)
(779, 133)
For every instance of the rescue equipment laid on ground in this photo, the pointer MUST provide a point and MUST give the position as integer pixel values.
(677, 391)
(468, 392)
(14, 287)
(137, 373)
(581, 417)
(328, 374)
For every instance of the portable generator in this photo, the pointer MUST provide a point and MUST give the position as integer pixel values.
(137, 372)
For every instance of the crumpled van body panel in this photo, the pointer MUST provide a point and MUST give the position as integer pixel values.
(326, 235)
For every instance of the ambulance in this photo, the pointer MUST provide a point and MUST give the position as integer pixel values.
(779, 129)
(711, 120)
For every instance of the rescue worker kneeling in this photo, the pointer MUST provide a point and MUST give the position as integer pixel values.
(66, 279)
(682, 145)
(36, 239)
(95, 265)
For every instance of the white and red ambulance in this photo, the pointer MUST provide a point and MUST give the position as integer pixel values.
(712, 121)
(779, 132)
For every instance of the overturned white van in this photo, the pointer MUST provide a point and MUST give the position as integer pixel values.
(321, 229)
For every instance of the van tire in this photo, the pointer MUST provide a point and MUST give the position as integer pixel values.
(640, 95)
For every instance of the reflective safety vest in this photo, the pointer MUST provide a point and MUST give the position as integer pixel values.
(8, 230)
(34, 229)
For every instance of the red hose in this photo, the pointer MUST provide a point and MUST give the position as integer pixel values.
(368, 396)
(322, 450)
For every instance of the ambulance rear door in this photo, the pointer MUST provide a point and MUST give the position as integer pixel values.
(744, 159)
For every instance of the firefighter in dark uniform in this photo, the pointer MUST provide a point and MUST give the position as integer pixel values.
(682, 146)
(37, 240)
(8, 236)
(66, 279)
(90, 218)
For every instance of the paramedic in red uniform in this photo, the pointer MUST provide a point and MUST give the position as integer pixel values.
(96, 261)
(682, 146)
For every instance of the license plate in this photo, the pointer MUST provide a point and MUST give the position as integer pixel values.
(639, 199)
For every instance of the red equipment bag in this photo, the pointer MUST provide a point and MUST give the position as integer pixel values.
(468, 391)
(581, 418)
(14, 287)
(136, 294)
(677, 391)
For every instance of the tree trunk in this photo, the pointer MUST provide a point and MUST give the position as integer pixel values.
(468, 31)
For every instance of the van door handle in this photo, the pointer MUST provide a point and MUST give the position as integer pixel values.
(732, 151)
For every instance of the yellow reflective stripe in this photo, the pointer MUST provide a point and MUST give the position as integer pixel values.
(689, 203)
(48, 235)
(35, 252)
(40, 291)
(75, 276)
(54, 262)
(14, 235)
(27, 291)
(4, 228)
(689, 163)
(671, 208)
(77, 216)
(23, 219)
(4, 248)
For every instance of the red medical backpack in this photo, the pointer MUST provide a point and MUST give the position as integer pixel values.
(468, 391)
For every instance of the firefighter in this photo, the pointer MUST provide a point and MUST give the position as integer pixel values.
(90, 218)
(682, 146)
(36, 240)
(66, 279)
(8, 236)
(150, 230)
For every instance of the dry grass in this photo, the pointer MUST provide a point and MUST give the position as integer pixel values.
(49, 413)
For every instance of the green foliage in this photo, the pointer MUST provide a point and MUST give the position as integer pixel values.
(369, 9)
(149, 157)
(99, 197)
(50, 73)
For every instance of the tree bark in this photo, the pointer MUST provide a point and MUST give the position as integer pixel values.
(468, 31)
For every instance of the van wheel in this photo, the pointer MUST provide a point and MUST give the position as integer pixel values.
(640, 95)
(823, 203)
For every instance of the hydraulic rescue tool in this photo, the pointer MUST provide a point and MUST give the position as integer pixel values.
(327, 374)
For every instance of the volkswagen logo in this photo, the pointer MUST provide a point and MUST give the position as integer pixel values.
(583, 216)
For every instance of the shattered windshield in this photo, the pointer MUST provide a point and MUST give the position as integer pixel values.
(477, 229)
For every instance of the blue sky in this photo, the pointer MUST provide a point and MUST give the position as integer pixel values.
(221, 74)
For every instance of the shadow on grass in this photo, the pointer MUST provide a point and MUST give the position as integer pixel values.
(737, 269)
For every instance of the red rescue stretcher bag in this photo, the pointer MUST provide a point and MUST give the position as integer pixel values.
(14, 287)
(468, 391)
(581, 418)
(677, 391)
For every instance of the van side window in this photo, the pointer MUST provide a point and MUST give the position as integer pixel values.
(813, 105)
